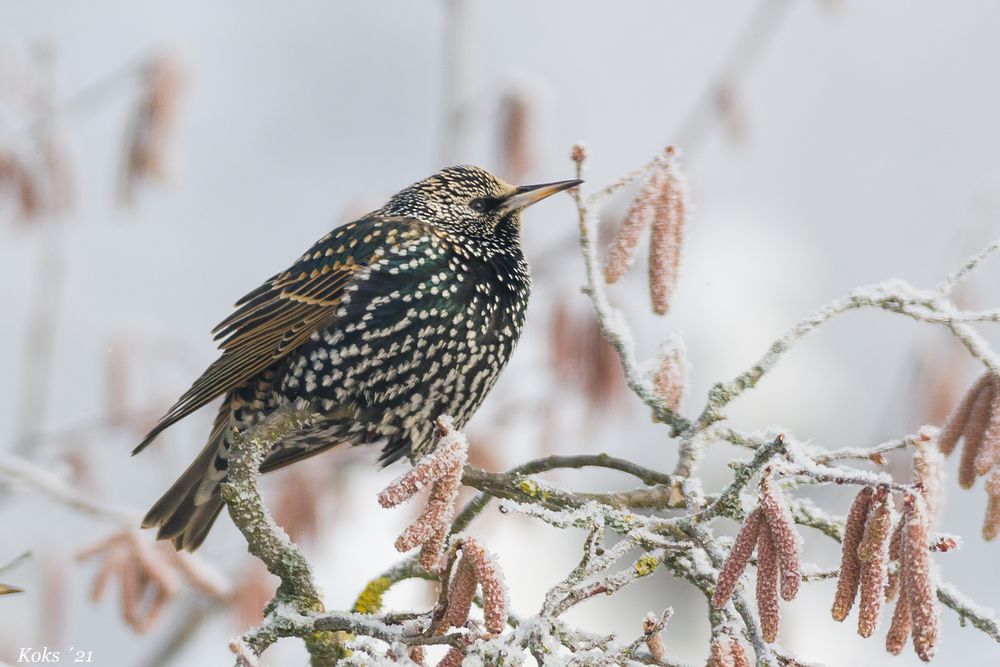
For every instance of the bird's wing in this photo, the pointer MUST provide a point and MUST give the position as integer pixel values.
(286, 310)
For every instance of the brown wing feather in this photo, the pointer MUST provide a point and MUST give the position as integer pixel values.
(278, 317)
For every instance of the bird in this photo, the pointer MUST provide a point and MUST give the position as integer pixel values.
(384, 324)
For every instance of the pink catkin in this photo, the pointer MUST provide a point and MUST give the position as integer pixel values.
(639, 214)
(975, 430)
(877, 527)
(989, 449)
(460, 594)
(654, 641)
(423, 528)
(441, 511)
(786, 541)
(671, 378)
(895, 554)
(767, 584)
(991, 524)
(451, 447)
(453, 658)
(431, 527)
(666, 242)
(738, 558)
(418, 655)
(152, 125)
(899, 628)
(442, 470)
(850, 565)
(147, 580)
(955, 425)
(740, 658)
(164, 78)
(928, 472)
(872, 554)
(720, 653)
(406, 486)
(917, 583)
(491, 580)
(516, 131)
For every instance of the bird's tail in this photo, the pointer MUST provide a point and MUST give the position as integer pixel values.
(186, 512)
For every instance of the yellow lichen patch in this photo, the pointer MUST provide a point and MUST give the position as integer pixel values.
(370, 599)
(533, 489)
(646, 565)
(528, 487)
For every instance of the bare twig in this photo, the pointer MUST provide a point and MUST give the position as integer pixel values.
(19, 471)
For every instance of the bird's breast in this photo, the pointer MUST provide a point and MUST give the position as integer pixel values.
(415, 339)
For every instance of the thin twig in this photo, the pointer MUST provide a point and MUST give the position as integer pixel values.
(19, 471)
(982, 618)
(612, 323)
(946, 286)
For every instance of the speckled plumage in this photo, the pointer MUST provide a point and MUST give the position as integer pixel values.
(384, 324)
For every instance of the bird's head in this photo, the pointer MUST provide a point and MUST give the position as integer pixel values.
(470, 200)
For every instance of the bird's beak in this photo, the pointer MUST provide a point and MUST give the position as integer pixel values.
(526, 195)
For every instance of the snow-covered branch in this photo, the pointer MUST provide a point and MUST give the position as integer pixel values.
(268, 542)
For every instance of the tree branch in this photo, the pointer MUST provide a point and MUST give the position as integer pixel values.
(19, 471)
(268, 542)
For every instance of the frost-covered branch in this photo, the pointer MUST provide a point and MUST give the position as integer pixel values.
(613, 325)
(980, 617)
(894, 296)
(796, 464)
(267, 541)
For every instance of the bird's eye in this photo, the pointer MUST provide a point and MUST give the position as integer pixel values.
(479, 205)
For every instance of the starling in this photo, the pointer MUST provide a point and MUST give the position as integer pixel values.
(385, 323)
